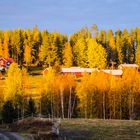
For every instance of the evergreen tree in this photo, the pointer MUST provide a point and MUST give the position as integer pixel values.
(52, 57)
(31, 107)
(36, 42)
(8, 113)
(138, 55)
(111, 49)
(6, 45)
(67, 55)
(80, 52)
(46, 105)
(17, 45)
(132, 47)
(58, 41)
(46, 42)
(48, 50)
(73, 39)
(27, 55)
(102, 39)
(119, 47)
(128, 48)
(1, 48)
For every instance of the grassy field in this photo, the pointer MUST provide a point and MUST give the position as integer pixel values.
(34, 78)
(81, 129)
(90, 129)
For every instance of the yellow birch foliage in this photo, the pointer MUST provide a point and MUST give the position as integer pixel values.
(82, 91)
(14, 82)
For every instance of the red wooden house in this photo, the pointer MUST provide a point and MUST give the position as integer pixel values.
(77, 71)
(5, 62)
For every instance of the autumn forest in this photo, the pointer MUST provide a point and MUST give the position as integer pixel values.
(85, 48)
(95, 95)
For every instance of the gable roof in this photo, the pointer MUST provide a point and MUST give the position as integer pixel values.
(113, 72)
(74, 70)
(128, 65)
(118, 72)
(7, 59)
(11, 60)
(4, 59)
(77, 69)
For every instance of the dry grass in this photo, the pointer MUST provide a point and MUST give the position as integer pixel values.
(32, 125)
(34, 129)
(83, 129)
(100, 129)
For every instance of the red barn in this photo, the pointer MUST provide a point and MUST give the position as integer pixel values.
(77, 71)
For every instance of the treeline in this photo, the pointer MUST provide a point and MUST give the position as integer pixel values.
(95, 95)
(85, 48)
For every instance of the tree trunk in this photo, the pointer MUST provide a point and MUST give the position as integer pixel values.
(104, 106)
(73, 106)
(69, 107)
(52, 114)
(62, 101)
(86, 107)
(120, 106)
(114, 105)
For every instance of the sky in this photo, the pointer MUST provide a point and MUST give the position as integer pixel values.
(69, 16)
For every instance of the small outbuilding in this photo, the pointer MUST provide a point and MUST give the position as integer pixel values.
(122, 66)
(5, 62)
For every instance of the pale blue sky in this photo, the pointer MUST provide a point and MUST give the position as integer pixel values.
(68, 16)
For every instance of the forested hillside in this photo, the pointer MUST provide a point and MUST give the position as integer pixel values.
(88, 47)
(95, 95)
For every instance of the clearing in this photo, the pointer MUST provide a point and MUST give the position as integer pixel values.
(96, 129)
(80, 129)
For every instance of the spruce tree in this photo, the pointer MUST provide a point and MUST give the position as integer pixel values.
(31, 107)
(8, 112)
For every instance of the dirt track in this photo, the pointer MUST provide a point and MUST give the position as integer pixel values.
(10, 136)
